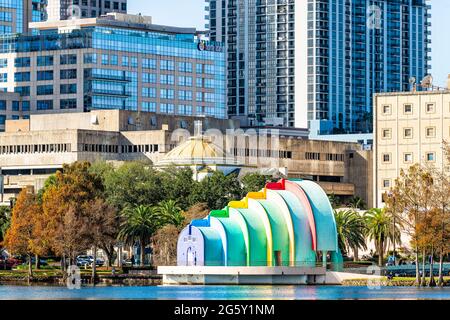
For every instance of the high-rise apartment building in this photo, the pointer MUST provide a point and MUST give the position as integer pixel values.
(318, 63)
(116, 61)
(65, 9)
(16, 14)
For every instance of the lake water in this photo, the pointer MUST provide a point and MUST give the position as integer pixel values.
(221, 292)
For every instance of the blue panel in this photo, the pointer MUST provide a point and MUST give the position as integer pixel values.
(323, 216)
(304, 254)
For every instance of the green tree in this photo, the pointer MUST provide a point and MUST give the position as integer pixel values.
(133, 184)
(253, 182)
(217, 190)
(351, 229)
(171, 211)
(334, 200)
(177, 184)
(139, 225)
(5, 221)
(380, 229)
(357, 203)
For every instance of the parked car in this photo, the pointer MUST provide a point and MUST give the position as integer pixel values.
(85, 260)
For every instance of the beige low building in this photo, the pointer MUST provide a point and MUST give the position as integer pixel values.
(409, 127)
(31, 150)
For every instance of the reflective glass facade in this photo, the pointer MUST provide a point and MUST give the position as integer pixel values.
(107, 67)
(16, 14)
(291, 62)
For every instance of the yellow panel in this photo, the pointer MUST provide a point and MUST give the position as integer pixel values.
(243, 204)
(258, 195)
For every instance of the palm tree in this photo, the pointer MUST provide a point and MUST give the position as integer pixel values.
(380, 229)
(139, 225)
(171, 211)
(357, 203)
(351, 231)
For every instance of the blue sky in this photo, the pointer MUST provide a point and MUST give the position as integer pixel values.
(190, 13)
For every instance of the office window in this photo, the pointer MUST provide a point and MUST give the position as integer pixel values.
(149, 92)
(23, 91)
(45, 90)
(2, 119)
(3, 77)
(68, 88)
(185, 109)
(148, 77)
(22, 62)
(3, 63)
(407, 109)
(148, 63)
(167, 65)
(185, 81)
(408, 157)
(68, 59)
(408, 133)
(68, 74)
(167, 94)
(45, 61)
(2, 104)
(167, 79)
(25, 106)
(44, 104)
(68, 104)
(125, 61)
(149, 106)
(90, 58)
(386, 157)
(430, 132)
(386, 183)
(105, 59)
(134, 62)
(387, 133)
(386, 109)
(430, 108)
(431, 157)
(45, 75)
(15, 106)
(114, 60)
(185, 67)
(167, 108)
(185, 95)
(22, 77)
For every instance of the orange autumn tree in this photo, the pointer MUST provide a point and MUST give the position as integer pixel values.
(64, 208)
(24, 237)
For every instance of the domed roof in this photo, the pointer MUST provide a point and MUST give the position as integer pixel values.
(199, 150)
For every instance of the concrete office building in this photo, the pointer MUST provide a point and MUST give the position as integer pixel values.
(32, 149)
(68, 9)
(15, 15)
(409, 128)
(11, 108)
(294, 62)
(115, 62)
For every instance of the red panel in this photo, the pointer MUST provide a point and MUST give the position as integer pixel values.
(301, 195)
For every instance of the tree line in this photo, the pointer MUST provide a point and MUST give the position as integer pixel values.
(98, 206)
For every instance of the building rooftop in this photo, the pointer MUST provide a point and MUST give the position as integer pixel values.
(116, 20)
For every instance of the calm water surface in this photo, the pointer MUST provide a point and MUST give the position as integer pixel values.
(221, 292)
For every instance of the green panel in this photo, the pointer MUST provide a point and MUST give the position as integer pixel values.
(304, 254)
(236, 249)
(214, 255)
(257, 237)
(280, 236)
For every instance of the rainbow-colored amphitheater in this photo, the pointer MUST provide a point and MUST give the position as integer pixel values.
(286, 224)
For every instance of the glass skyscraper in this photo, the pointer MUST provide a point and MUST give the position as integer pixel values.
(16, 14)
(317, 63)
(114, 63)
(66, 9)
